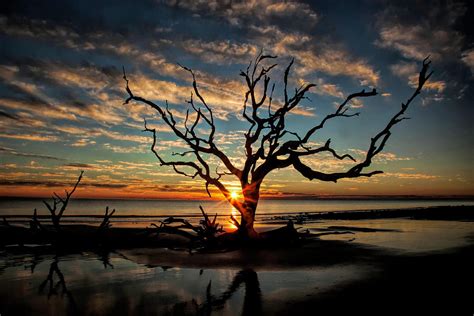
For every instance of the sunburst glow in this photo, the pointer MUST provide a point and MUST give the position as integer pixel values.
(234, 195)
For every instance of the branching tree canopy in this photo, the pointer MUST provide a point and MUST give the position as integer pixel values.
(269, 145)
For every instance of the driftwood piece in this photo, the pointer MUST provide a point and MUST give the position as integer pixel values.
(206, 231)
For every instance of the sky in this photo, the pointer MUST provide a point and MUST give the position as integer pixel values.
(62, 94)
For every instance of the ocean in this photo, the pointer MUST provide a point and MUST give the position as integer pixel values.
(159, 208)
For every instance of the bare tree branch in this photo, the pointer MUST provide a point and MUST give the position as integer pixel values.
(58, 201)
(105, 224)
(194, 142)
(377, 143)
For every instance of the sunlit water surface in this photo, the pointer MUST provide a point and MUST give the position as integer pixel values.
(402, 234)
(18, 206)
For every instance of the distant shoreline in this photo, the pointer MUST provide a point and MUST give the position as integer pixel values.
(287, 198)
(462, 212)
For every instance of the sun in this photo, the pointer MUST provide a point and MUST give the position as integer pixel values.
(234, 195)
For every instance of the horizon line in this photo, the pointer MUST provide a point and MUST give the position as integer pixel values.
(289, 197)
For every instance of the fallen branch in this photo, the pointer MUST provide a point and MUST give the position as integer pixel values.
(206, 231)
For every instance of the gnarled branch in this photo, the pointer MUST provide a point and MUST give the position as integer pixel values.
(58, 201)
(105, 224)
(377, 143)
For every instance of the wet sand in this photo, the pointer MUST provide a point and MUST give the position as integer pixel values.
(428, 284)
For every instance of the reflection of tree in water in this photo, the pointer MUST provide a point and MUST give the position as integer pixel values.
(104, 257)
(27, 261)
(34, 261)
(55, 282)
(59, 287)
(252, 304)
(54, 287)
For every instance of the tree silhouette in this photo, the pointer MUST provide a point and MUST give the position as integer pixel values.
(269, 145)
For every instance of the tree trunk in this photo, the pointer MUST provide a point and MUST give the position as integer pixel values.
(251, 196)
(246, 228)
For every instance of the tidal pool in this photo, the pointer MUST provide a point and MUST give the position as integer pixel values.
(400, 234)
(90, 284)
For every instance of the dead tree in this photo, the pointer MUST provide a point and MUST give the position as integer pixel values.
(269, 145)
(105, 224)
(60, 202)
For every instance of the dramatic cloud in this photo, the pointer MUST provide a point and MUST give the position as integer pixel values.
(416, 35)
(336, 62)
(52, 184)
(10, 151)
(413, 42)
(222, 52)
(409, 71)
(468, 59)
(241, 13)
(79, 165)
(62, 91)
